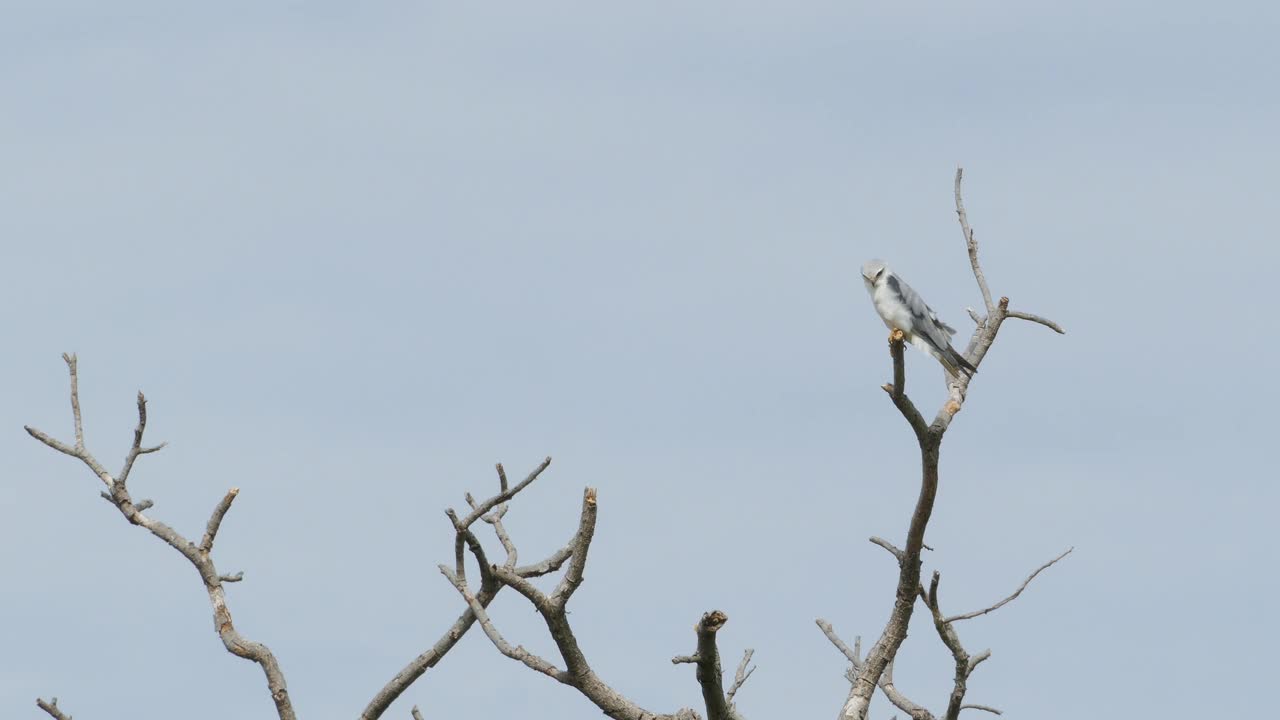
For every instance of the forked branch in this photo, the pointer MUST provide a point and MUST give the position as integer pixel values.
(118, 494)
(552, 607)
(480, 599)
(51, 707)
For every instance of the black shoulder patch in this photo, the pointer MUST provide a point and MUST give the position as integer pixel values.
(896, 286)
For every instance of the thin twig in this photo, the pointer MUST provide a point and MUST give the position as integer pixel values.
(505, 495)
(502, 477)
(495, 519)
(137, 448)
(971, 243)
(417, 715)
(1037, 319)
(853, 655)
(893, 549)
(1016, 593)
(741, 675)
(986, 708)
(71, 361)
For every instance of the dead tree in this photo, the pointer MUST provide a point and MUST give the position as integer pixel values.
(572, 667)
(877, 668)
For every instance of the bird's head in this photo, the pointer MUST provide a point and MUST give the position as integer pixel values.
(874, 271)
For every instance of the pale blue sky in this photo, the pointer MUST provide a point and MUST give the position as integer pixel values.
(356, 253)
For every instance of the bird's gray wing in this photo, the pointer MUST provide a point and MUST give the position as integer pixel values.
(924, 319)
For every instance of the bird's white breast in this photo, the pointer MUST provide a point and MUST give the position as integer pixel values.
(892, 311)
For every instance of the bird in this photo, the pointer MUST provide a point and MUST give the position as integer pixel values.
(903, 309)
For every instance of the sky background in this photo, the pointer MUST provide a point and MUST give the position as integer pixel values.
(355, 253)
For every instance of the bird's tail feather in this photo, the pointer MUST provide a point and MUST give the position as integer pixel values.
(959, 363)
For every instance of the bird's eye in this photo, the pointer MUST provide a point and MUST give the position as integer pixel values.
(879, 273)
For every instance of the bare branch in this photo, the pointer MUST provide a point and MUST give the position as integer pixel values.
(884, 680)
(428, 659)
(137, 448)
(978, 659)
(505, 495)
(51, 707)
(489, 588)
(231, 578)
(494, 519)
(1036, 319)
(550, 565)
(581, 543)
(986, 708)
(56, 445)
(552, 608)
(70, 360)
(898, 390)
(511, 578)
(417, 715)
(853, 655)
(215, 520)
(531, 660)
(741, 675)
(719, 704)
(709, 674)
(947, 633)
(198, 556)
(869, 675)
(972, 244)
(1016, 593)
(900, 701)
(893, 549)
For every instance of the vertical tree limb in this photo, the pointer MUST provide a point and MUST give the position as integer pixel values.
(971, 243)
(709, 674)
(869, 673)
